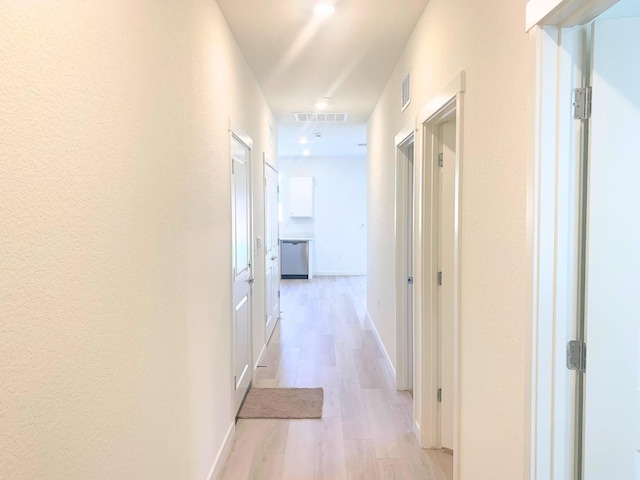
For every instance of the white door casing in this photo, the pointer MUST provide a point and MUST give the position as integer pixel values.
(446, 106)
(272, 250)
(612, 308)
(552, 215)
(410, 224)
(242, 279)
(405, 260)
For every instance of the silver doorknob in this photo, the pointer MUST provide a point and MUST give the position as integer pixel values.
(273, 258)
(251, 280)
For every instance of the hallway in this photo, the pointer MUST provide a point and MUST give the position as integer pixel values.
(323, 339)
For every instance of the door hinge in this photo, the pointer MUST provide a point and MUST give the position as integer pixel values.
(440, 279)
(278, 293)
(235, 382)
(410, 280)
(582, 103)
(577, 355)
(441, 159)
(439, 395)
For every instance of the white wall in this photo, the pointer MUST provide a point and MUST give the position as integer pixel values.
(487, 40)
(340, 212)
(115, 251)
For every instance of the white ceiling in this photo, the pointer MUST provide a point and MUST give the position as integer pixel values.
(298, 58)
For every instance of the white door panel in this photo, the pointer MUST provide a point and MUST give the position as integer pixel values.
(612, 391)
(272, 250)
(447, 227)
(241, 230)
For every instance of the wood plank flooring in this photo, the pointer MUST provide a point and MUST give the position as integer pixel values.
(324, 340)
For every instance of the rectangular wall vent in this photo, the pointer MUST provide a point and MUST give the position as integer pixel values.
(329, 117)
(406, 92)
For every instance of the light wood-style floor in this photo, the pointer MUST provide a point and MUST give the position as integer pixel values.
(323, 339)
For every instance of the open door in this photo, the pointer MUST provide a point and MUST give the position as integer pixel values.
(612, 306)
(445, 262)
(272, 253)
(242, 268)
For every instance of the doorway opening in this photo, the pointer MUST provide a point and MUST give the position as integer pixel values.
(586, 275)
(405, 258)
(438, 281)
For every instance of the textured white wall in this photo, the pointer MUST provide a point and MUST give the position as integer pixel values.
(487, 40)
(115, 247)
(340, 212)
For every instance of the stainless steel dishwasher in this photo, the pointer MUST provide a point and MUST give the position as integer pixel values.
(294, 255)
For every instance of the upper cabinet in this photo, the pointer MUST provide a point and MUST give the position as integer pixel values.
(301, 196)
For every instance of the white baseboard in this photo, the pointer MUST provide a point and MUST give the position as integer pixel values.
(216, 469)
(385, 354)
(418, 433)
(259, 361)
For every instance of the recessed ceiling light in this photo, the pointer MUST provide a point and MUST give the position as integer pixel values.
(304, 140)
(306, 152)
(324, 9)
(322, 104)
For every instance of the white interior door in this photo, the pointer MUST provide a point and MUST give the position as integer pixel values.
(242, 276)
(446, 224)
(410, 257)
(612, 398)
(272, 251)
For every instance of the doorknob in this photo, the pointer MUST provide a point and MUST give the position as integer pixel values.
(251, 280)
(274, 257)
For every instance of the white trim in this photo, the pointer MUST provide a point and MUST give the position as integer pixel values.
(552, 235)
(405, 137)
(269, 165)
(268, 161)
(444, 106)
(385, 354)
(223, 453)
(235, 131)
(417, 431)
(564, 13)
(404, 134)
(259, 360)
(240, 134)
(442, 98)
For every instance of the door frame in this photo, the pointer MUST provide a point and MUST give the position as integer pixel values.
(240, 134)
(268, 163)
(549, 448)
(403, 139)
(446, 105)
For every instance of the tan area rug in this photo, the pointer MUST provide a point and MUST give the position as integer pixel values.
(283, 403)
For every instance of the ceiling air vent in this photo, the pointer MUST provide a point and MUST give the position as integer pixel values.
(406, 92)
(330, 117)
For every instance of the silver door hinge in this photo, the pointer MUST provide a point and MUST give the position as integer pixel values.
(577, 355)
(410, 280)
(278, 293)
(582, 103)
(441, 159)
(440, 278)
(439, 395)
